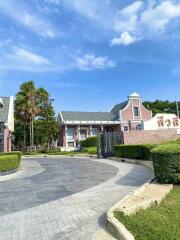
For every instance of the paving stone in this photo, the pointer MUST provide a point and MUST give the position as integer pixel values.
(66, 200)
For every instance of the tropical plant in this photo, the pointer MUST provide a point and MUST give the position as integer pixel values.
(33, 106)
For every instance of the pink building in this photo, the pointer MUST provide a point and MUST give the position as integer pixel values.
(126, 116)
(6, 123)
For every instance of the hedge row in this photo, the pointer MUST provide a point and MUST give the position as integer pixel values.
(142, 152)
(166, 161)
(18, 153)
(9, 161)
(89, 142)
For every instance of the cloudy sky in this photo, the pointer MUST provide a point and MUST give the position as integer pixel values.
(90, 54)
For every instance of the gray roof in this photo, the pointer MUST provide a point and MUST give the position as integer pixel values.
(4, 110)
(115, 110)
(94, 116)
(88, 116)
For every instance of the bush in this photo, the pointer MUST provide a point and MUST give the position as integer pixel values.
(90, 150)
(89, 142)
(9, 162)
(142, 152)
(18, 153)
(166, 161)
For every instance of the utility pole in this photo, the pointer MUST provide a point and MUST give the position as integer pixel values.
(177, 109)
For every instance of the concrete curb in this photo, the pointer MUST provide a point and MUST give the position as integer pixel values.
(113, 225)
(145, 163)
(117, 228)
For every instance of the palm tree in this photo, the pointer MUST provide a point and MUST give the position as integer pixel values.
(26, 106)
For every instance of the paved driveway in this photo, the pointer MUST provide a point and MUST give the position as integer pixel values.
(63, 198)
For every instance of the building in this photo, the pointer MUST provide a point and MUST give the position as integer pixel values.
(126, 116)
(6, 123)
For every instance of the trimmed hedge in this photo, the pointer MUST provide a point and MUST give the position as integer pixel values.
(166, 161)
(18, 153)
(9, 161)
(142, 152)
(90, 150)
(89, 142)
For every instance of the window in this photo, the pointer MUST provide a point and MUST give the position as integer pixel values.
(94, 131)
(136, 111)
(126, 128)
(139, 127)
(70, 134)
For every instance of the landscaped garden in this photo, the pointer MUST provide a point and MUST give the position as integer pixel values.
(10, 161)
(157, 222)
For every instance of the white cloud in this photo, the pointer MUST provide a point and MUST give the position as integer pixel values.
(25, 56)
(124, 39)
(127, 18)
(20, 59)
(159, 16)
(92, 62)
(28, 19)
(140, 21)
(132, 8)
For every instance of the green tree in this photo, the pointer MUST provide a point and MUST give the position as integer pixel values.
(159, 106)
(26, 106)
(34, 116)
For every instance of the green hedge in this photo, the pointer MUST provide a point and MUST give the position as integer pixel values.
(9, 161)
(166, 161)
(90, 150)
(18, 153)
(89, 142)
(142, 152)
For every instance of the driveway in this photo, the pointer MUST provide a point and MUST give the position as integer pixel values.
(64, 197)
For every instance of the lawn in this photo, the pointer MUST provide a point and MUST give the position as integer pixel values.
(157, 222)
(84, 151)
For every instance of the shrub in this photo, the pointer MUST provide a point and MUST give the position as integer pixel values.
(18, 153)
(142, 152)
(166, 161)
(89, 142)
(90, 150)
(9, 162)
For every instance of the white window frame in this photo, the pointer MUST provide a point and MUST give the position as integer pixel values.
(127, 128)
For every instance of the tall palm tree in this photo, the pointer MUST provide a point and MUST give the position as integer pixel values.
(26, 106)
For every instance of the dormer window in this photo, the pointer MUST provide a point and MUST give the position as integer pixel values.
(136, 111)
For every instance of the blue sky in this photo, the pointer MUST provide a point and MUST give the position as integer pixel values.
(91, 54)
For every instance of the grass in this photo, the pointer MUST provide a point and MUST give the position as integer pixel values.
(88, 150)
(157, 222)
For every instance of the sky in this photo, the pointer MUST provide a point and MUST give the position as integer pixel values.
(91, 54)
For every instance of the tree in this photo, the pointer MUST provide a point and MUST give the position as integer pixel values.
(159, 106)
(33, 107)
(26, 106)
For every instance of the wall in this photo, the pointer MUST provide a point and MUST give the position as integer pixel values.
(149, 136)
(7, 140)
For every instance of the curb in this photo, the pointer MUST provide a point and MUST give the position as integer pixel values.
(145, 163)
(117, 228)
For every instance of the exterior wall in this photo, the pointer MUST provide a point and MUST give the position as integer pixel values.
(127, 114)
(149, 136)
(88, 132)
(162, 121)
(7, 140)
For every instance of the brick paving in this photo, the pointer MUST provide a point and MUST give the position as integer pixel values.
(47, 211)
